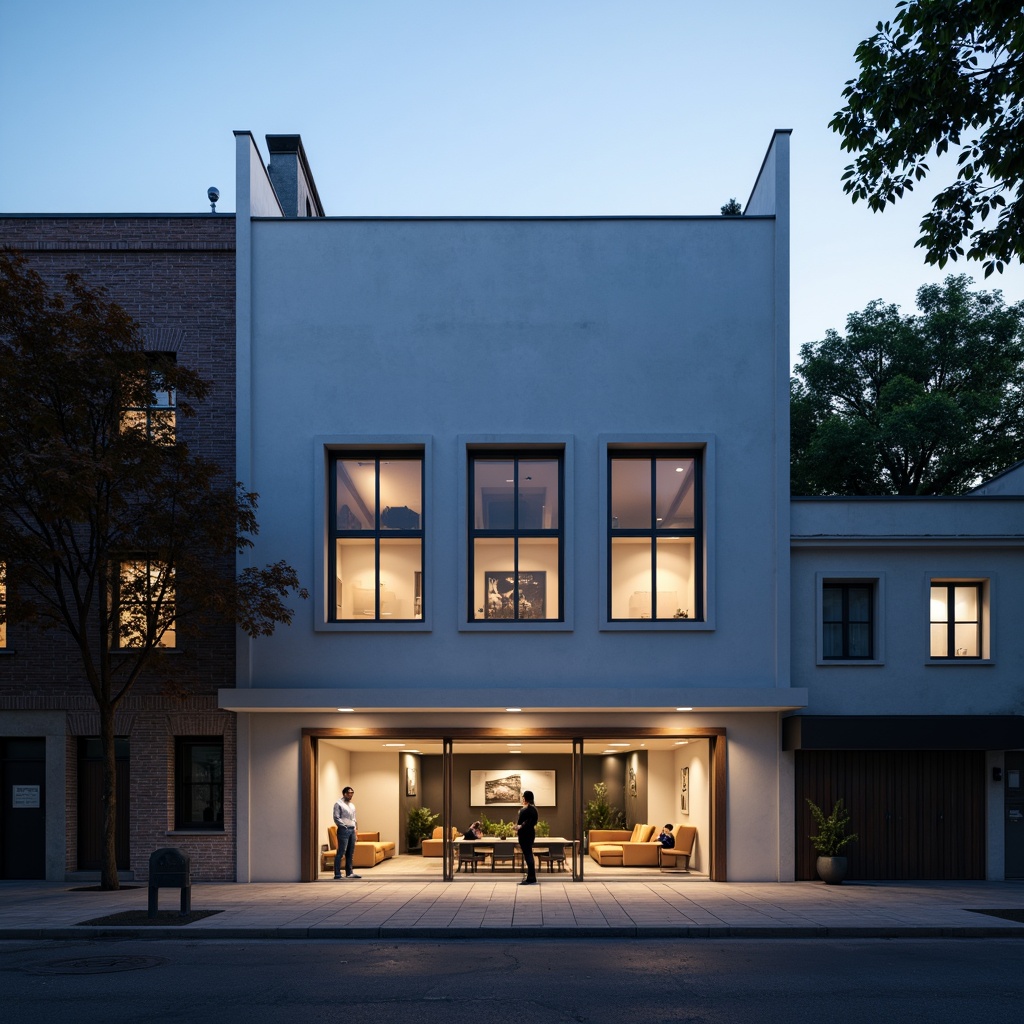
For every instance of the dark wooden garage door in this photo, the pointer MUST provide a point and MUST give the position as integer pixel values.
(919, 813)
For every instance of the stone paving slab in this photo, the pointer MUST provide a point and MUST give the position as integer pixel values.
(462, 909)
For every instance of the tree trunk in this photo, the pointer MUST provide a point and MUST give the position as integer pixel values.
(108, 873)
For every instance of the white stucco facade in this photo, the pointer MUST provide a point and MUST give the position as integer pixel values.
(587, 338)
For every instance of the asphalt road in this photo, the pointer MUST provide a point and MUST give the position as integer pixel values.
(605, 981)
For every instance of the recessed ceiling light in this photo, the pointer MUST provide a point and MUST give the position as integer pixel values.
(414, 751)
(679, 469)
(618, 744)
(684, 709)
(513, 709)
(346, 709)
(394, 744)
(680, 743)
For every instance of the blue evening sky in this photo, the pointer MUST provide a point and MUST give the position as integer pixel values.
(462, 107)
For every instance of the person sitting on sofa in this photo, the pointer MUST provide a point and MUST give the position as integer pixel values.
(475, 831)
(666, 838)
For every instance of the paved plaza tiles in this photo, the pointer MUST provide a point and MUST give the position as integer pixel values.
(658, 906)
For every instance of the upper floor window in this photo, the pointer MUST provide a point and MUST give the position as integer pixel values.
(150, 402)
(199, 782)
(376, 557)
(956, 619)
(516, 535)
(847, 620)
(143, 604)
(655, 535)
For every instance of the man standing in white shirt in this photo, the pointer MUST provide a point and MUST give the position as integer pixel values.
(345, 819)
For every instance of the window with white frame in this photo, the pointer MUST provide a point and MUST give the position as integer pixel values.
(516, 535)
(956, 619)
(144, 604)
(655, 535)
(376, 536)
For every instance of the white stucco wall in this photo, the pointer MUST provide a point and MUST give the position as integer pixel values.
(579, 328)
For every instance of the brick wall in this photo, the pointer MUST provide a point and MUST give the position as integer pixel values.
(176, 276)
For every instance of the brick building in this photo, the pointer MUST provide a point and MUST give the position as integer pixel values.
(176, 276)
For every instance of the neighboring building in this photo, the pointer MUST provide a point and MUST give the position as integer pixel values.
(176, 276)
(535, 472)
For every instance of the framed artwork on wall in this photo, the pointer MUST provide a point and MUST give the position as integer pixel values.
(410, 781)
(501, 595)
(500, 788)
(684, 790)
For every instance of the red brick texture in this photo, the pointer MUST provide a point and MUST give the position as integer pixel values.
(176, 276)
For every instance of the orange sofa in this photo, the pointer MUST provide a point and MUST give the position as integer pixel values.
(434, 847)
(369, 851)
(636, 849)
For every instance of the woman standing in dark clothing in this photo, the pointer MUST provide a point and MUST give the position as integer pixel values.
(526, 829)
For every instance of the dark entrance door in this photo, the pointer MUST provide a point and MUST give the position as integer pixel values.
(90, 805)
(23, 820)
(1014, 818)
(918, 813)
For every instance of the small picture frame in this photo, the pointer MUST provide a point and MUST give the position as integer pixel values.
(410, 781)
(684, 790)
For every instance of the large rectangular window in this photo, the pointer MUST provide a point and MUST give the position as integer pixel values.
(847, 620)
(199, 782)
(377, 536)
(516, 536)
(956, 619)
(655, 535)
(143, 604)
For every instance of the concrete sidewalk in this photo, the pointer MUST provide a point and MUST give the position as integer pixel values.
(658, 908)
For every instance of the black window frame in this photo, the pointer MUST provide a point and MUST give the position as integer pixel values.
(187, 789)
(515, 533)
(651, 532)
(117, 602)
(951, 621)
(378, 455)
(846, 622)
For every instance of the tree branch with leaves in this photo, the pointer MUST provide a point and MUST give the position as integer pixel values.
(112, 528)
(942, 75)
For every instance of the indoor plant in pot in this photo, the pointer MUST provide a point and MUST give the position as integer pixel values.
(830, 841)
(419, 825)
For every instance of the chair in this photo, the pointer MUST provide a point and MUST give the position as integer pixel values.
(678, 858)
(551, 856)
(506, 852)
(471, 855)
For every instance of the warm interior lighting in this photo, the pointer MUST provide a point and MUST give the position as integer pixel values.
(394, 744)
(684, 709)
(513, 709)
(347, 710)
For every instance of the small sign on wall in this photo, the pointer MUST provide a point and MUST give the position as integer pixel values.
(24, 796)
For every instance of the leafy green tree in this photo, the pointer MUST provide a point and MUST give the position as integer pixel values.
(112, 530)
(926, 404)
(732, 208)
(941, 74)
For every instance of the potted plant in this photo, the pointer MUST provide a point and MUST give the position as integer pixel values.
(830, 841)
(599, 813)
(419, 825)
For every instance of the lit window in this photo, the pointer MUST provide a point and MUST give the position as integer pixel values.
(515, 536)
(144, 604)
(377, 536)
(150, 402)
(3, 604)
(199, 782)
(655, 543)
(847, 620)
(956, 620)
